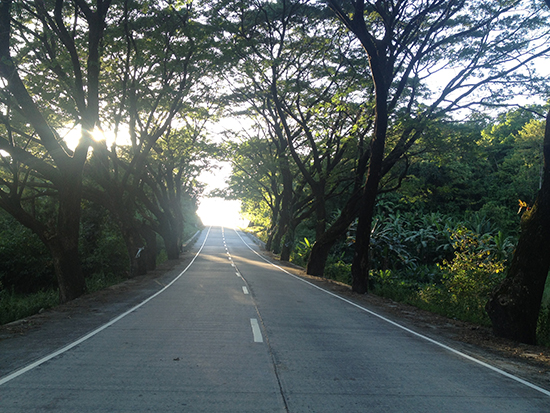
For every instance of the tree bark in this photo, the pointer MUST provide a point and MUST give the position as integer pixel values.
(62, 240)
(321, 248)
(288, 241)
(514, 306)
(360, 264)
(150, 251)
(271, 233)
(135, 247)
(172, 246)
(285, 214)
(68, 270)
(64, 245)
(62, 235)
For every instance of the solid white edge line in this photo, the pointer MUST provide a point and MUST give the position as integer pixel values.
(256, 332)
(62, 350)
(387, 320)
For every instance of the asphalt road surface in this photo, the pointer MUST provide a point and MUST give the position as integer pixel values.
(235, 333)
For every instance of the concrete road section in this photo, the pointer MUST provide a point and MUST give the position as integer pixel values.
(234, 333)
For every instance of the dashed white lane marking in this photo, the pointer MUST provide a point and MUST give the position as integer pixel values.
(256, 332)
(408, 330)
(238, 275)
(245, 290)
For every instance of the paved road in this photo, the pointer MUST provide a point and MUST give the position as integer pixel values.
(236, 334)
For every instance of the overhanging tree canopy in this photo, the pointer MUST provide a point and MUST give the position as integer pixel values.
(482, 44)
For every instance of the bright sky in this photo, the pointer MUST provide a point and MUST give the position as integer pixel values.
(219, 211)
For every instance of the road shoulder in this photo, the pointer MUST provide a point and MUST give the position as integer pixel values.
(27, 340)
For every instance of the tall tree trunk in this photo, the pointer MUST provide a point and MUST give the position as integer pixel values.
(285, 213)
(172, 246)
(64, 245)
(288, 242)
(278, 236)
(68, 270)
(171, 242)
(61, 237)
(150, 251)
(514, 306)
(169, 228)
(135, 247)
(360, 264)
(320, 211)
(321, 248)
(271, 235)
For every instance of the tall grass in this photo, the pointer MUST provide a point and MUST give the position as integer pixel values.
(15, 306)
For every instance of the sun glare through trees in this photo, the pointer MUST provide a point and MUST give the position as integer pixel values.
(220, 212)
(374, 142)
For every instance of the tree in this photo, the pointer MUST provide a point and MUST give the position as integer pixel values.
(154, 81)
(257, 34)
(406, 43)
(298, 72)
(514, 306)
(255, 180)
(37, 165)
(169, 178)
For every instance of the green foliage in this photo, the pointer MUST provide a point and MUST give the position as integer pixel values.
(25, 263)
(476, 167)
(257, 213)
(389, 284)
(27, 281)
(15, 306)
(410, 240)
(162, 256)
(258, 231)
(102, 248)
(469, 278)
(301, 252)
(459, 288)
(99, 281)
(335, 269)
(543, 326)
(338, 271)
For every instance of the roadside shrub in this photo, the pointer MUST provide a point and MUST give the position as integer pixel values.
(543, 327)
(405, 240)
(99, 281)
(25, 263)
(467, 280)
(457, 288)
(102, 249)
(15, 306)
(301, 252)
(391, 284)
(338, 271)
